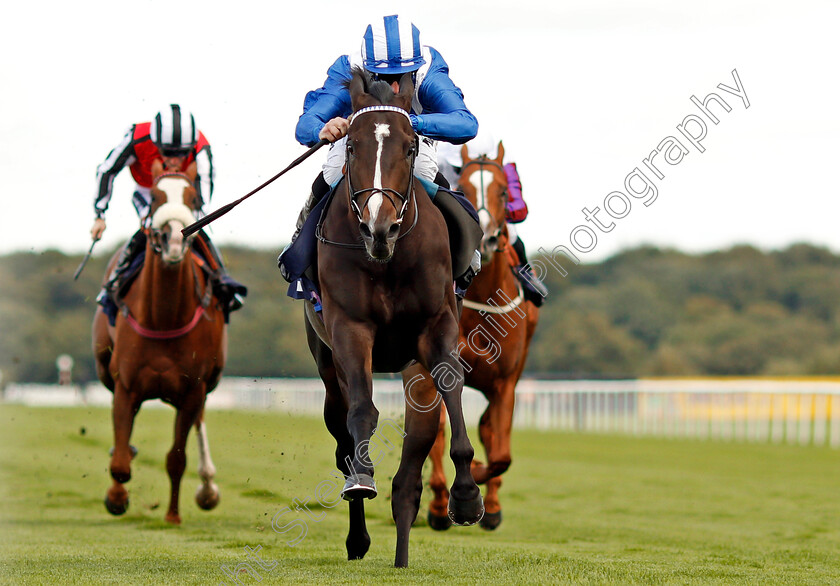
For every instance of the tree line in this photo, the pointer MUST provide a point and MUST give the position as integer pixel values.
(643, 312)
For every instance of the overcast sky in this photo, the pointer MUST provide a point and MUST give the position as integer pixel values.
(580, 92)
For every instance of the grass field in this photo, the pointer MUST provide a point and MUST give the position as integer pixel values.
(577, 509)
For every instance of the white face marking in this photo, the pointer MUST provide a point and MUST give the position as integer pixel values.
(375, 201)
(481, 180)
(173, 187)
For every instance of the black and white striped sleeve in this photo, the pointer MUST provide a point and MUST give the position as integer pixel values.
(206, 173)
(118, 158)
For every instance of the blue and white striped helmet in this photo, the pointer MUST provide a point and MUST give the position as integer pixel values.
(392, 46)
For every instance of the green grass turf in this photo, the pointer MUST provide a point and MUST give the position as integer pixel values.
(584, 509)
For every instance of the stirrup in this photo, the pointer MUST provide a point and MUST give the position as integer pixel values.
(463, 282)
(235, 302)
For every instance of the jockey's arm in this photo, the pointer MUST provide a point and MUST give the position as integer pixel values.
(205, 172)
(445, 116)
(325, 104)
(119, 157)
(98, 229)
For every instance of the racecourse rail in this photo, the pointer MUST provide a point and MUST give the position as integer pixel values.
(794, 411)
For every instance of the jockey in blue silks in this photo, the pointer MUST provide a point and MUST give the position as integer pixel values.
(390, 48)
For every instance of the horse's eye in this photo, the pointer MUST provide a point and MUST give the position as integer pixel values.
(350, 148)
(410, 152)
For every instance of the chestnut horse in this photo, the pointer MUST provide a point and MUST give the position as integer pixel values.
(496, 329)
(388, 303)
(168, 342)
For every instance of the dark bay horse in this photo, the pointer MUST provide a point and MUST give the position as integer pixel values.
(168, 342)
(388, 302)
(497, 324)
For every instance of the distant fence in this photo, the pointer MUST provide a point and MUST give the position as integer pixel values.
(780, 411)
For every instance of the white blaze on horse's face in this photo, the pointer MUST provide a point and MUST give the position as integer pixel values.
(481, 180)
(175, 214)
(375, 201)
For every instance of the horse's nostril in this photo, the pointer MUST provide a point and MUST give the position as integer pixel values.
(492, 241)
(365, 230)
(394, 229)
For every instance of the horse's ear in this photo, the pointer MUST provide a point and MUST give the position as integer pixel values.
(500, 153)
(192, 171)
(465, 153)
(406, 90)
(357, 88)
(157, 168)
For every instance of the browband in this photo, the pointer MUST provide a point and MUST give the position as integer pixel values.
(379, 109)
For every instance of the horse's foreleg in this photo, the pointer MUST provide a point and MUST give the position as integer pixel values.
(436, 353)
(176, 459)
(123, 413)
(421, 427)
(438, 518)
(207, 495)
(495, 429)
(493, 516)
(352, 353)
(103, 348)
(335, 417)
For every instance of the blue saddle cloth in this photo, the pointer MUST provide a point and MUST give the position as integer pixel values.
(461, 219)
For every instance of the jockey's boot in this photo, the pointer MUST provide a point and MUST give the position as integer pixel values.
(319, 189)
(463, 281)
(535, 290)
(441, 180)
(129, 252)
(229, 291)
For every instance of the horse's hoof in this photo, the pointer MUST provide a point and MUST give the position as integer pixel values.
(207, 496)
(121, 477)
(115, 508)
(173, 519)
(466, 512)
(130, 447)
(358, 548)
(438, 522)
(491, 521)
(359, 486)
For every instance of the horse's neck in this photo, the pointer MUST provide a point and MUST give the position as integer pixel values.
(165, 294)
(494, 275)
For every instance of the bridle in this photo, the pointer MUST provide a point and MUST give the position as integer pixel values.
(390, 194)
(482, 161)
(152, 232)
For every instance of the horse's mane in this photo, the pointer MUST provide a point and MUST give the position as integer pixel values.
(381, 90)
